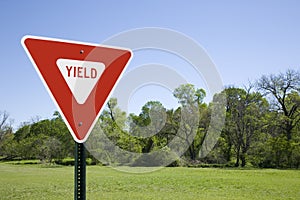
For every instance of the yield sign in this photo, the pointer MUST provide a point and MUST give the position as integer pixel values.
(79, 77)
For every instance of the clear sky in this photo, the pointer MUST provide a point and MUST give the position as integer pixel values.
(245, 39)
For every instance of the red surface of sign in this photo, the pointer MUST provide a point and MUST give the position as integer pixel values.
(79, 76)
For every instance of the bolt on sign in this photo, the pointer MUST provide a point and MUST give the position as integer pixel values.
(78, 76)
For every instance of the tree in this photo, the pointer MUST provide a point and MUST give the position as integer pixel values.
(189, 131)
(244, 113)
(283, 90)
(110, 140)
(7, 147)
(62, 135)
(50, 150)
(45, 140)
(148, 124)
(113, 120)
(187, 94)
(5, 124)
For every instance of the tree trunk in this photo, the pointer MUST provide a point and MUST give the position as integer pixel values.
(289, 128)
(148, 146)
(243, 158)
(228, 152)
(237, 163)
(192, 152)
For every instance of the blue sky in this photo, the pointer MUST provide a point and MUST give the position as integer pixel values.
(245, 39)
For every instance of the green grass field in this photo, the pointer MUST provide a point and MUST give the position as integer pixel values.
(40, 182)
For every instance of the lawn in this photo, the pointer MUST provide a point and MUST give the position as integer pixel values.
(41, 182)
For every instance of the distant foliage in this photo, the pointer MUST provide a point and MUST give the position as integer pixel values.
(262, 129)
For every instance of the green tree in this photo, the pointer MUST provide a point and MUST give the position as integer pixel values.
(8, 146)
(6, 134)
(111, 142)
(190, 130)
(148, 124)
(283, 90)
(45, 140)
(51, 149)
(244, 113)
(62, 136)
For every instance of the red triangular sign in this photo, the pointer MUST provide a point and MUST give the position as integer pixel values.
(79, 77)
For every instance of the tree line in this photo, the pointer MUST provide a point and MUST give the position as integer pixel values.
(261, 128)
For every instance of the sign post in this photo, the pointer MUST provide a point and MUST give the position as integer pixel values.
(80, 172)
(79, 77)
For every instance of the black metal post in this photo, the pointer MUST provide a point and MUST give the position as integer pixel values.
(80, 172)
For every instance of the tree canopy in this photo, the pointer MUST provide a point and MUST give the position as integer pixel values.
(261, 129)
